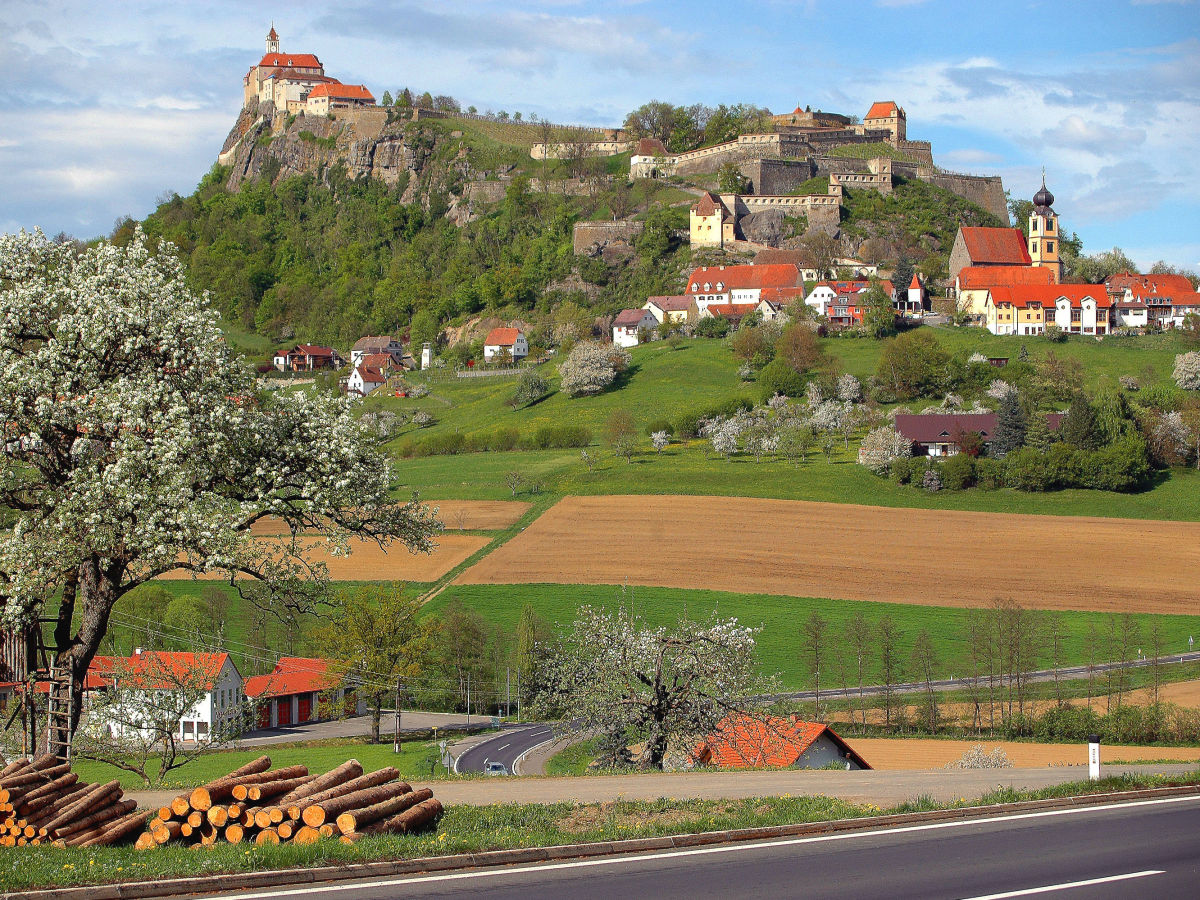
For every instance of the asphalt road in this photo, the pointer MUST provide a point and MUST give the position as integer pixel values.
(1146, 849)
(512, 741)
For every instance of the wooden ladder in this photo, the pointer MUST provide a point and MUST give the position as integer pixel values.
(58, 715)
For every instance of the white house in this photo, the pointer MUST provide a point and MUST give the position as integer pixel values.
(504, 344)
(1131, 313)
(739, 284)
(365, 379)
(630, 323)
(675, 307)
(219, 708)
(368, 346)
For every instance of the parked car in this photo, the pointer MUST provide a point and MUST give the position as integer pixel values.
(494, 768)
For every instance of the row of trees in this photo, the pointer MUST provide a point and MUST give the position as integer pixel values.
(683, 128)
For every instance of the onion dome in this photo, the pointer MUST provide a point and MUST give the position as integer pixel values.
(1043, 198)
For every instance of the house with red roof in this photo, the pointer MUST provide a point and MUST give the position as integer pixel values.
(886, 115)
(630, 324)
(307, 358)
(972, 283)
(1030, 309)
(978, 246)
(711, 222)
(733, 313)
(738, 284)
(505, 345)
(677, 308)
(371, 373)
(939, 434)
(755, 742)
(841, 302)
(335, 95)
(300, 690)
(1155, 300)
(218, 711)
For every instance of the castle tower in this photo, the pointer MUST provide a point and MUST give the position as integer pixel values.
(1043, 233)
(272, 40)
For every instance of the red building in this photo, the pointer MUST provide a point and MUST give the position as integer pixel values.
(302, 689)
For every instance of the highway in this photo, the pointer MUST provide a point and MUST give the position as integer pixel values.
(1144, 849)
(512, 741)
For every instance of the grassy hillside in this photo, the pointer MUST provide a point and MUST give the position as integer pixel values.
(780, 618)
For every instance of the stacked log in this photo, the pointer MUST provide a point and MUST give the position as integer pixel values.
(43, 802)
(260, 805)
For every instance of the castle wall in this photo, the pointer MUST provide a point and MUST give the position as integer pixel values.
(984, 190)
(541, 150)
(822, 210)
(776, 176)
(368, 122)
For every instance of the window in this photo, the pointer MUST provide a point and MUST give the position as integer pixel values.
(1049, 246)
(1033, 246)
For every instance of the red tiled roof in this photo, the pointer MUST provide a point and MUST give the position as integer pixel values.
(372, 343)
(160, 669)
(995, 246)
(732, 310)
(376, 360)
(979, 277)
(775, 256)
(915, 283)
(743, 277)
(742, 742)
(650, 147)
(673, 303)
(370, 375)
(313, 350)
(781, 294)
(1047, 294)
(629, 317)
(935, 428)
(293, 675)
(502, 337)
(1160, 284)
(881, 109)
(708, 205)
(339, 91)
(291, 60)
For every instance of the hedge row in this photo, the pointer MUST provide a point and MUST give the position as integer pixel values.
(547, 437)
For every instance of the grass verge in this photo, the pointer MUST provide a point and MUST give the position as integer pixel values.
(466, 829)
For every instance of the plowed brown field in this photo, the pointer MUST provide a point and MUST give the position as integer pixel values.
(367, 562)
(802, 549)
(475, 515)
(917, 753)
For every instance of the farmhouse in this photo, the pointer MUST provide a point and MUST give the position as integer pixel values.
(842, 301)
(629, 324)
(938, 434)
(746, 742)
(505, 345)
(307, 358)
(217, 711)
(370, 374)
(677, 308)
(731, 312)
(1075, 308)
(738, 284)
(302, 689)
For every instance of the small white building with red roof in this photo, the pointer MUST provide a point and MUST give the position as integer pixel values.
(505, 345)
(335, 95)
(629, 324)
(302, 689)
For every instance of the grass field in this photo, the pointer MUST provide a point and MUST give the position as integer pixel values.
(779, 617)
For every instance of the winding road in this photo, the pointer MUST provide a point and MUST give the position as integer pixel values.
(505, 748)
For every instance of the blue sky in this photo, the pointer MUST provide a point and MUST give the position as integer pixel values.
(109, 105)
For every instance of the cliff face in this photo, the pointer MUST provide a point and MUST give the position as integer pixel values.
(264, 141)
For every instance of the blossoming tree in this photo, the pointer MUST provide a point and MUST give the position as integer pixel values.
(134, 443)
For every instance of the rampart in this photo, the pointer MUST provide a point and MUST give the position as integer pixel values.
(983, 190)
(590, 148)
(776, 176)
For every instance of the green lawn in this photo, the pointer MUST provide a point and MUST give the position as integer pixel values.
(779, 617)
(417, 761)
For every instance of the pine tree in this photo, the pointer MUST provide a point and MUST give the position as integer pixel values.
(1079, 427)
(387, 98)
(1023, 356)
(1038, 435)
(404, 98)
(1010, 426)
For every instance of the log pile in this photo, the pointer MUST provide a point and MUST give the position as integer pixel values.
(260, 805)
(43, 802)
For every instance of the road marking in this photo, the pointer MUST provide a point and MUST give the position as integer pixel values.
(1068, 885)
(502, 746)
(698, 851)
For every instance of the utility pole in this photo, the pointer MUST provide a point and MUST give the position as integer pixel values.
(518, 696)
(399, 690)
(468, 699)
(507, 691)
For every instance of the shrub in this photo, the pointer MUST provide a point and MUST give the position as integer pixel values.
(1187, 370)
(931, 480)
(660, 425)
(958, 472)
(912, 365)
(906, 470)
(989, 474)
(444, 444)
(1122, 466)
(779, 378)
(881, 448)
(658, 440)
(1054, 334)
(559, 437)
(531, 386)
(714, 327)
(422, 419)
(687, 425)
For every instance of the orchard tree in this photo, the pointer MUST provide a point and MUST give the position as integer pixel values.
(589, 368)
(881, 447)
(614, 674)
(135, 443)
(1187, 370)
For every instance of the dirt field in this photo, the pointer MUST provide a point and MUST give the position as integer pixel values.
(796, 548)
(457, 515)
(368, 563)
(923, 754)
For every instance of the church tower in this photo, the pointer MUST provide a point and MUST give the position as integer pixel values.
(272, 40)
(1043, 233)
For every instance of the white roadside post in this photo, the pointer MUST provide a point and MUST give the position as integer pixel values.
(1094, 757)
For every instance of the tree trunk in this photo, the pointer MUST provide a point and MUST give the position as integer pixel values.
(376, 712)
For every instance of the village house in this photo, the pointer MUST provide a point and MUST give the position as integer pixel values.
(334, 95)
(371, 373)
(370, 346)
(629, 324)
(505, 345)
(754, 742)
(217, 712)
(738, 284)
(801, 259)
(1153, 301)
(733, 313)
(677, 308)
(711, 223)
(972, 284)
(1075, 308)
(307, 358)
(841, 302)
(939, 434)
(301, 690)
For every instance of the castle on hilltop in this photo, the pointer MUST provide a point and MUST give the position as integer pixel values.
(296, 82)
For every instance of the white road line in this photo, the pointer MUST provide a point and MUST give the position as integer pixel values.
(698, 851)
(1068, 885)
(502, 746)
